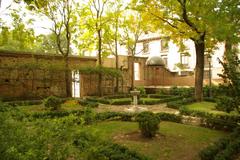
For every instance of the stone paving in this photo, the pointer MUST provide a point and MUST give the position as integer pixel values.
(123, 108)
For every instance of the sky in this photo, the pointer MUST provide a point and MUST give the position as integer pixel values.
(39, 26)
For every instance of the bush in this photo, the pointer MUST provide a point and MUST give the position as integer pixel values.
(88, 116)
(149, 101)
(158, 96)
(52, 103)
(224, 149)
(142, 90)
(226, 104)
(184, 92)
(148, 123)
(97, 149)
(179, 103)
(169, 117)
(88, 103)
(122, 101)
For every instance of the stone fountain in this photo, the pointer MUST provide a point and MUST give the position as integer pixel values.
(135, 108)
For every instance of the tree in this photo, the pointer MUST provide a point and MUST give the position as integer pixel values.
(231, 77)
(61, 14)
(18, 37)
(112, 36)
(183, 19)
(134, 27)
(96, 21)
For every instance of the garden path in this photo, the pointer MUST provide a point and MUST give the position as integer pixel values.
(122, 108)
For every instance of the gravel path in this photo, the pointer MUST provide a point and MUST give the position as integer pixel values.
(122, 108)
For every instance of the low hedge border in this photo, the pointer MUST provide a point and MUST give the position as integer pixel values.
(224, 149)
(209, 120)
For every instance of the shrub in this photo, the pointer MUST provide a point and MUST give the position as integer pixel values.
(122, 101)
(158, 96)
(226, 104)
(148, 123)
(88, 116)
(97, 149)
(169, 117)
(53, 103)
(184, 92)
(142, 90)
(224, 149)
(88, 103)
(113, 151)
(179, 103)
(149, 101)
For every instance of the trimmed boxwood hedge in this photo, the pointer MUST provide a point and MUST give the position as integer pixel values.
(224, 149)
(177, 104)
(122, 101)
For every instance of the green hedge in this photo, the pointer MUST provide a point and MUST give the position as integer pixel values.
(24, 103)
(97, 149)
(177, 104)
(98, 100)
(122, 101)
(224, 149)
(88, 103)
(209, 120)
(158, 96)
(170, 117)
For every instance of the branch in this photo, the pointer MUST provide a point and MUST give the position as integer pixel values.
(186, 18)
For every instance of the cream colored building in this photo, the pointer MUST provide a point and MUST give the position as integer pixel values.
(155, 45)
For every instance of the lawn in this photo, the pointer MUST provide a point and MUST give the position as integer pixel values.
(207, 107)
(174, 141)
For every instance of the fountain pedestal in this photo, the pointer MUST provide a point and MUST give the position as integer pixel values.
(135, 93)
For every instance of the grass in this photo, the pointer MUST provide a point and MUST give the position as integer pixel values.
(207, 107)
(174, 141)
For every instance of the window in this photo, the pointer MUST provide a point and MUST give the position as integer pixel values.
(164, 44)
(136, 71)
(145, 47)
(184, 60)
(165, 59)
(75, 84)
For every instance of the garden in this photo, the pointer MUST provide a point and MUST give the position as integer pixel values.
(100, 128)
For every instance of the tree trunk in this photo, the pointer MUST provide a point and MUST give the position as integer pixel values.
(100, 92)
(199, 70)
(228, 49)
(116, 55)
(67, 78)
(132, 80)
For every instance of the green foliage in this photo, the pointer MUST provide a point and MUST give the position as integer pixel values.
(88, 103)
(121, 101)
(158, 96)
(149, 101)
(148, 123)
(169, 117)
(111, 72)
(152, 101)
(231, 77)
(226, 104)
(53, 103)
(177, 104)
(184, 92)
(224, 149)
(214, 121)
(89, 116)
(96, 149)
(142, 90)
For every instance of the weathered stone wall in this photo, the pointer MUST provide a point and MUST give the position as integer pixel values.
(20, 76)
